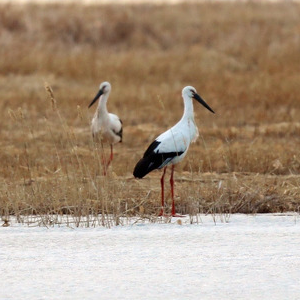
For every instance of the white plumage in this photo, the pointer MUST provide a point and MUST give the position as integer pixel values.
(171, 146)
(107, 127)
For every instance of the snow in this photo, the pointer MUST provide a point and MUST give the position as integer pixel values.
(249, 257)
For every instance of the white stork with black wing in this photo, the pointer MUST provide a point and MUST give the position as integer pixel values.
(171, 146)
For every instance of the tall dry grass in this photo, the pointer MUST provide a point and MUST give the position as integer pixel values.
(243, 58)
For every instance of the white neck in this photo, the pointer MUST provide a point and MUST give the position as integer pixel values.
(188, 108)
(102, 104)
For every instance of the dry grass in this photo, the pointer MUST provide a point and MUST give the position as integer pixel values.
(243, 58)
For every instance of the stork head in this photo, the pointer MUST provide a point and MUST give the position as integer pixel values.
(104, 88)
(190, 92)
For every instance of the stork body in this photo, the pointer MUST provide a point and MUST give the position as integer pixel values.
(171, 147)
(106, 127)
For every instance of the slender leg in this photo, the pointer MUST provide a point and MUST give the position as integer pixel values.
(104, 163)
(172, 190)
(103, 159)
(111, 156)
(173, 212)
(111, 152)
(162, 183)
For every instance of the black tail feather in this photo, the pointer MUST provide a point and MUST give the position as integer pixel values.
(152, 162)
(145, 166)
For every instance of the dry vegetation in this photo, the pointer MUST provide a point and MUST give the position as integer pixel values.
(242, 58)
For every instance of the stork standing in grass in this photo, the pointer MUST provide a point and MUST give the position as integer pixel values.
(106, 126)
(171, 146)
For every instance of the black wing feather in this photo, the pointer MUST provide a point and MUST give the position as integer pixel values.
(119, 133)
(152, 160)
(151, 148)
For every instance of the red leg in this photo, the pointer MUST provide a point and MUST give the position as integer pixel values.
(104, 163)
(111, 156)
(103, 160)
(111, 152)
(162, 183)
(172, 190)
(173, 212)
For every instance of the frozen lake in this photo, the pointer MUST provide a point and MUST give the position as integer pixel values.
(250, 257)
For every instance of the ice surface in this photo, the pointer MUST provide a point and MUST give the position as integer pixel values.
(251, 257)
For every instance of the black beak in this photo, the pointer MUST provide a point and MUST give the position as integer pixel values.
(200, 100)
(96, 97)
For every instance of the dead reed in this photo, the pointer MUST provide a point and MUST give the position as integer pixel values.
(243, 58)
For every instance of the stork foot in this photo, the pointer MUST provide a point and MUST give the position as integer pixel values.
(162, 213)
(177, 216)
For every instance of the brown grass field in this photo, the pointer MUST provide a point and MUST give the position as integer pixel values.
(243, 59)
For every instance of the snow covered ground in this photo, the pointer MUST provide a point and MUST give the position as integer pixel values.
(250, 257)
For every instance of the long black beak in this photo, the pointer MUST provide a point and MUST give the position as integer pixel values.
(96, 97)
(200, 100)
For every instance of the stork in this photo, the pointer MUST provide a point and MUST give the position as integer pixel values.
(171, 147)
(106, 126)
